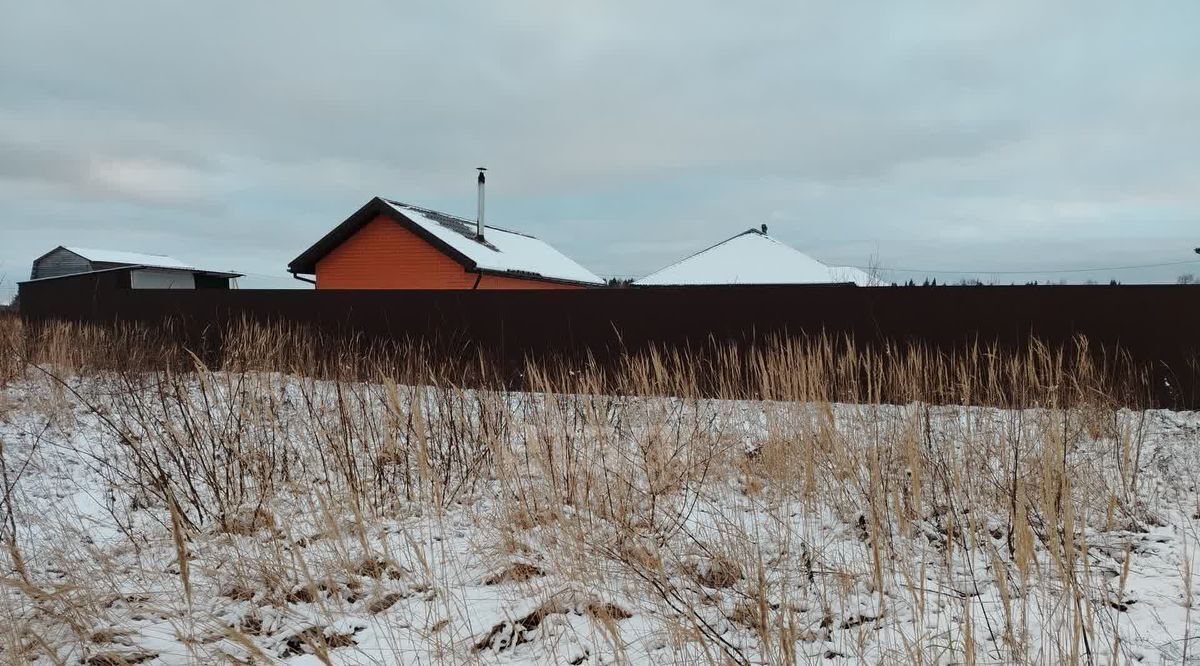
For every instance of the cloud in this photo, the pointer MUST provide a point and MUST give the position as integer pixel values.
(141, 180)
(625, 133)
(79, 172)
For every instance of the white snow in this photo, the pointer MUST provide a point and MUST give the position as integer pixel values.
(753, 257)
(813, 558)
(513, 252)
(130, 258)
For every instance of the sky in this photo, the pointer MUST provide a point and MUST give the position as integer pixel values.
(1007, 141)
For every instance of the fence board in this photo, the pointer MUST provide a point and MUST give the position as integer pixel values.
(1158, 325)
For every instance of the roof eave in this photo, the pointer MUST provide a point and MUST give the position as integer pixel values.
(71, 275)
(524, 275)
(137, 267)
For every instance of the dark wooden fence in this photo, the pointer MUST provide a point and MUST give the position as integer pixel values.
(1155, 325)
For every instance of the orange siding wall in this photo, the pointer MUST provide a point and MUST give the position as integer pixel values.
(385, 255)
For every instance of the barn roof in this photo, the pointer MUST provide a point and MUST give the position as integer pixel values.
(128, 258)
(752, 257)
(500, 252)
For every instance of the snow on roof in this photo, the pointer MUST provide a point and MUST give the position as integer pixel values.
(501, 250)
(752, 257)
(853, 274)
(129, 258)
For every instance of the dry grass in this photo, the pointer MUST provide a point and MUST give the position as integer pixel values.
(849, 502)
(11, 346)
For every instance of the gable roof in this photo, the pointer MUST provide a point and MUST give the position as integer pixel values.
(751, 257)
(128, 258)
(501, 252)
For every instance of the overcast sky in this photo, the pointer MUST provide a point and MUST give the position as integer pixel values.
(989, 137)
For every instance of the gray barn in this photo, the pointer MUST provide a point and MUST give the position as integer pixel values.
(146, 271)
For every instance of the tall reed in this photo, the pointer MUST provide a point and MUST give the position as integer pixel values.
(706, 479)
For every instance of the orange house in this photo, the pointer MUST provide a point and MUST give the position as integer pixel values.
(391, 245)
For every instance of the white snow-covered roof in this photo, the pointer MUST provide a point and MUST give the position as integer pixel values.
(752, 257)
(129, 258)
(501, 250)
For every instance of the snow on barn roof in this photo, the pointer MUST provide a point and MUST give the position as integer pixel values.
(752, 257)
(129, 258)
(500, 251)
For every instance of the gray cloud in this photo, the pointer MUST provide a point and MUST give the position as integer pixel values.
(1013, 135)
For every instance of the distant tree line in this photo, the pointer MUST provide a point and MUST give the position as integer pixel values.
(976, 282)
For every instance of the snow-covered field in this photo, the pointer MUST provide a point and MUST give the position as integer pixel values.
(261, 518)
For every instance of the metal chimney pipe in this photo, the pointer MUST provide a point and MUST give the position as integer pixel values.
(479, 218)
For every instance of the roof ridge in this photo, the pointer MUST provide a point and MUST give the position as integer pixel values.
(714, 246)
(125, 257)
(457, 218)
